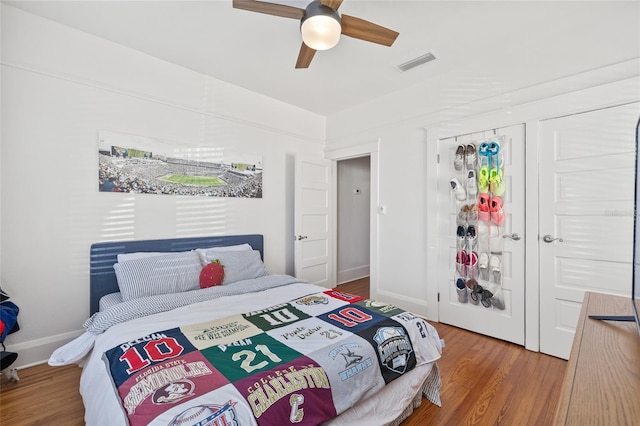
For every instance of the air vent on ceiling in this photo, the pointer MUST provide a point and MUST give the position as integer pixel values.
(423, 59)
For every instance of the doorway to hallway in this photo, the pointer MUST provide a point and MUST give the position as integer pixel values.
(353, 218)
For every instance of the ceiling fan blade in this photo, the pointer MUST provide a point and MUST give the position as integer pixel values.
(269, 8)
(367, 31)
(333, 4)
(305, 56)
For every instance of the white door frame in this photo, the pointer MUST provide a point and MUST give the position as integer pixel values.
(532, 243)
(367, 149)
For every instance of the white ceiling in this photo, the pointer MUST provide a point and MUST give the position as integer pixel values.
(258, 51)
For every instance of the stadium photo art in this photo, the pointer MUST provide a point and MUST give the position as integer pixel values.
(141, 165)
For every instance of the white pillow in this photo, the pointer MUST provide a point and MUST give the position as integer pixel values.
(239, 265)
(151, 276)
(206, 252)
(123, 257)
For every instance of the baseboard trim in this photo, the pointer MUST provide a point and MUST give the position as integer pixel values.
(417, 307)
(35, 352)
(353, 274)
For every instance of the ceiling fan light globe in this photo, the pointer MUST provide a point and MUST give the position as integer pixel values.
(320, 32)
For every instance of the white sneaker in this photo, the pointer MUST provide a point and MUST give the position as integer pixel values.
(458, 161)
(483, 265)
(458, 190)
(472, 183)
(494, 267)
(471, 156)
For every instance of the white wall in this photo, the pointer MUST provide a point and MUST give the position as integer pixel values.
(401, 245)
(59, 87)
(353, 218)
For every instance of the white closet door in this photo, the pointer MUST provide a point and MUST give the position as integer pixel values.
(586, 200)
(508, 323)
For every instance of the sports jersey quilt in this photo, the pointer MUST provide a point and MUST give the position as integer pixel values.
(301, 362)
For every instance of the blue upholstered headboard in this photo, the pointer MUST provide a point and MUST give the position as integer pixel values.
(102, 277)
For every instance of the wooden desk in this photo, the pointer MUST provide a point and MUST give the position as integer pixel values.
(602, 380)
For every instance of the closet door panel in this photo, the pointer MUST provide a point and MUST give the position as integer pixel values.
(586, 209)
(500, 237)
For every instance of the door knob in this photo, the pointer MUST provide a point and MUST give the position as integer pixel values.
(549, 239)
(302, 237)
(515, 236)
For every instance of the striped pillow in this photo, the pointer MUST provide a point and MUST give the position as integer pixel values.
(170, 273)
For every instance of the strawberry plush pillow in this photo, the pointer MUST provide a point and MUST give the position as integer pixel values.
(212, 274)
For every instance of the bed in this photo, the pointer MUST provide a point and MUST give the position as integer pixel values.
(257, 348)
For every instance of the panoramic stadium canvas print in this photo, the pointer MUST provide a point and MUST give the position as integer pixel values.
(142, 165)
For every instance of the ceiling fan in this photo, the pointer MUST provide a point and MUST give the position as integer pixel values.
(321, 25)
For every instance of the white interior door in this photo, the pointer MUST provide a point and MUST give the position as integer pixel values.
(313, 221)
(586, 215)
(505, 241)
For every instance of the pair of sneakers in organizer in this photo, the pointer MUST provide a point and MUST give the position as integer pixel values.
(490, 208)
(487, 295)
(491, 170)
(466, 255)
(490, 267)
(466, 238)
(467, 190)
(465, 156)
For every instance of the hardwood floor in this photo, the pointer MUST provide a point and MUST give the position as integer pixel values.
(359, 287)
(484, 382)
(44, 396)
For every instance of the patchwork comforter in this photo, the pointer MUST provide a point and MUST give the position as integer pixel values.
(303, 362)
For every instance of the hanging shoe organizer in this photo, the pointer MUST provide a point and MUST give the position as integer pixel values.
(477, 186)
